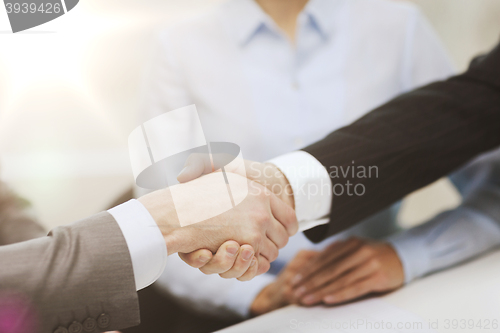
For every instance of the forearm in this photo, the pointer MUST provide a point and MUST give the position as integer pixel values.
(449, 239)
(412, 141)
(71, 274)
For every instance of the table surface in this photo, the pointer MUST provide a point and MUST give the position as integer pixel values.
(451, 300)
(470, 291)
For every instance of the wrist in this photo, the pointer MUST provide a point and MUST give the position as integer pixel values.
(161, 207)
(285, 190)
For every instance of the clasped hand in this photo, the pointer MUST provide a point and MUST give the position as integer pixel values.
(344, 271)
(239, 243)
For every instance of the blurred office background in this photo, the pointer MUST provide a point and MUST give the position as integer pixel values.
(70, 89)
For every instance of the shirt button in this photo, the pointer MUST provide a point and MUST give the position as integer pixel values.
(103, 321)
(61, 329)
(298, 142)
(75, 327)
(89, 325)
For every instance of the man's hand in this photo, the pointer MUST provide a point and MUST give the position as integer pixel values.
(230, 261)
(280, 293)
(266, 174)
(262, 221)
(347, 270)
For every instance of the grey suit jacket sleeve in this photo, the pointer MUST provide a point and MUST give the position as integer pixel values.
(15, 224)
(79, 274)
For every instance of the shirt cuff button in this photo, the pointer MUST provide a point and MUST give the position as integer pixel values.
(89, 325)
(75, 327)
(103, 321)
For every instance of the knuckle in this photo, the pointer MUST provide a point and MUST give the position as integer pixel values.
(264, 266)
(256, 238)
(262, 217)
(282, 242)
(274, 254)
(366, 251)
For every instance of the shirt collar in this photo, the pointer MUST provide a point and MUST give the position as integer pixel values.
(245, 18)
(323, 15)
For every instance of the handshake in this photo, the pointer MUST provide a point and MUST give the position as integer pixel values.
(239, 243)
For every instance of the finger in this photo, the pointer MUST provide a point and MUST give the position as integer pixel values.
(287, 292)
(269, 250)
(331, 272)
(196, 165)
(197, 259)
(286, 276)
(263, 265)
(334, 252)
(351, 292)
(284, 214)
(277, 233)
(223, 260)
(251, 271)
(340, 249)
(294, 267)
(242, 263)
(300, 260)
(361, 273)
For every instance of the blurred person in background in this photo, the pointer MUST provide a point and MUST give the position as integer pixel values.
(274, 76)
(16, 223)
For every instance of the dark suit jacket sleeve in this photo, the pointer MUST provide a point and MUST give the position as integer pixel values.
(77, 272)
(413, 140)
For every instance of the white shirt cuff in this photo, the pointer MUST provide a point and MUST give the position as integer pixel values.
(145, 242)
(311, 185)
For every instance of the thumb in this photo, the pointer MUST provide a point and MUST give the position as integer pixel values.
(197, 259)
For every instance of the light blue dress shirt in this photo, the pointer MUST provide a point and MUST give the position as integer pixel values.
(253, 87)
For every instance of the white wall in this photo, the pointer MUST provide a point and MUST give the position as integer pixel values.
(70, 91)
